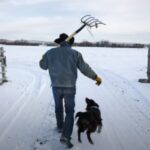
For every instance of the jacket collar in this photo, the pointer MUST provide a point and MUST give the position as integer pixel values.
(65, 44)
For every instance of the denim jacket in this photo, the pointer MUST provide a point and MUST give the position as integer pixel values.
(63, 63)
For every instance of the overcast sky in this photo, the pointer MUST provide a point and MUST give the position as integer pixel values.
(127, 20)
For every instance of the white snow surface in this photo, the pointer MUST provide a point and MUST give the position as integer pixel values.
(27, 104)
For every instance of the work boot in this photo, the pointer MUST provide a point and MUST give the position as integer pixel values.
(66, 141)
(144, 80)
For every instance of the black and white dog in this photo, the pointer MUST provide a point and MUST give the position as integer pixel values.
(90, 120)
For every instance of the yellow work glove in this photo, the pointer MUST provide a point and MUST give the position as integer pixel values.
(98, 80)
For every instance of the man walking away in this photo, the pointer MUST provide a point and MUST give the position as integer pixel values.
(62, 63)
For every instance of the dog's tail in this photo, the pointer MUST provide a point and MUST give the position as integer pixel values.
(78, 114)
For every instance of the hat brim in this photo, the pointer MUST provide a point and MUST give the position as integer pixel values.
(58, 41)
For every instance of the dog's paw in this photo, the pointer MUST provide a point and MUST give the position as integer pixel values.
(91, 142)
(99, 129)
(79, 141)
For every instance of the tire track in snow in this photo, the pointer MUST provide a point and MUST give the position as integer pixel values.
(16, 108)
(28, 99)
(127, 111)
(127, 89)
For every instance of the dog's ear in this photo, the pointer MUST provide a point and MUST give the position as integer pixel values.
(94, 103)
(87, 100)
(91, 102)
(97, 105)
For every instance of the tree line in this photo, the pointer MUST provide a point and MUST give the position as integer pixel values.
(110, 44)
(81, 44)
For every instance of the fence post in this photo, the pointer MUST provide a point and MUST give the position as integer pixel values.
(148, 69)
(148, 66)
(3, 66)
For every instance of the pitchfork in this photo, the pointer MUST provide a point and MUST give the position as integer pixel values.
(88, 21)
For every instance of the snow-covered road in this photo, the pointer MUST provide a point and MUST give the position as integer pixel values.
(27, 106)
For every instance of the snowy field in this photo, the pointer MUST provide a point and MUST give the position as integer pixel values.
(27, 105)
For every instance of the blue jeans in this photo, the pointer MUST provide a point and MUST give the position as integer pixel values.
(68, 95)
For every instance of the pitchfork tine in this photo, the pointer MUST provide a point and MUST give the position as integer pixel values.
(90, 21)
(85, 17)
(100, 22)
